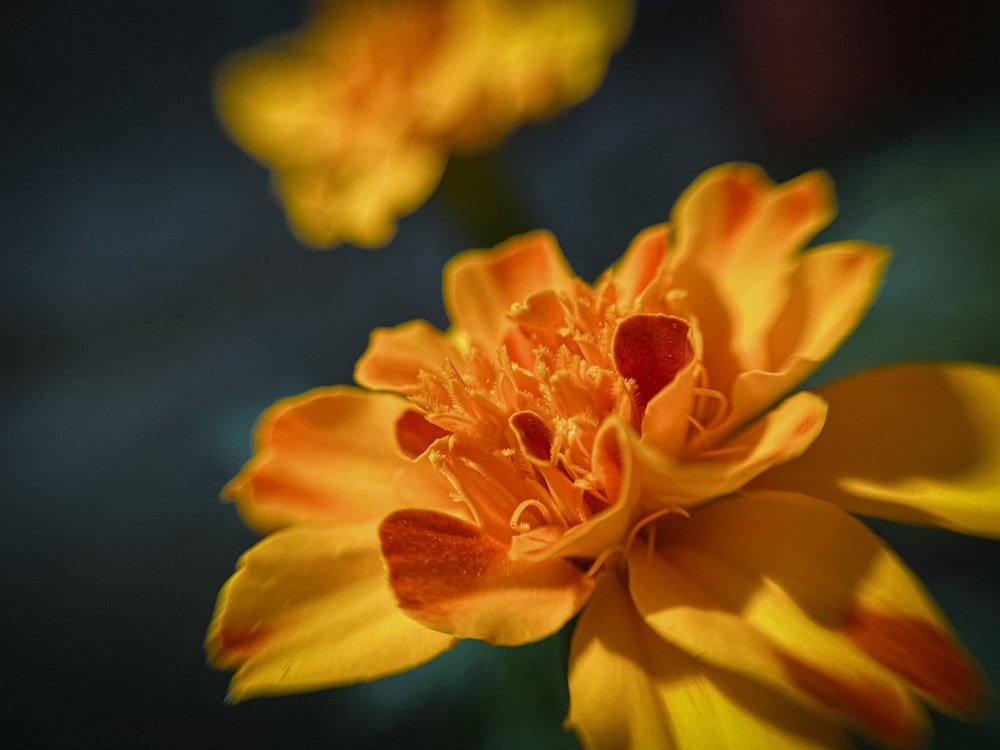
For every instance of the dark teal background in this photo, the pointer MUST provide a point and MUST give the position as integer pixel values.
(153, 304)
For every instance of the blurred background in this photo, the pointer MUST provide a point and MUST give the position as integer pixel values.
(153, 304)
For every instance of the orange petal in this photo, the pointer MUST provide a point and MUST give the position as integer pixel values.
(309, 607)
(728, 225)
(663, 427)
(641, 264)
(631, 689)
(310, 466)
(604, 532)
(735, 216)
(452, 577)
(918, 443)
(780, 435)
(829, 290)
(395, 357)
(481, 286)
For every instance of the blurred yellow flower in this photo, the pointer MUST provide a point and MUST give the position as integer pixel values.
(628, 451)
(357, 113)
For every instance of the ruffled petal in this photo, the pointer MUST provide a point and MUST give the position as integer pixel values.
(481, 286)
(803, 597)
(830, 290)
(451, 576)
(607, 529)
(918, 443)
(631, 689)
(662, 427)
(728, 225)
(780, 435)
(310, 607)
(641, 264)
(311, 466)
(735, 217)
(396, 356)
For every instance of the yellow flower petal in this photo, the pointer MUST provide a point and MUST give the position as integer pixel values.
(450, 576)
(802, 596)
(395, 357)
(310, 607)
(631, 689)
(917, 443)
(481, 287)
(358, 198)
(310, 465)
(830, 289)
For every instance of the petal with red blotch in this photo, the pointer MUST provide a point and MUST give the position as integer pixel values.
(395, 357)
(918, 443)
(451, 576)
(481, 286)
(310, 607)
(649, 351)
(796, 591)
(311, 466)
(766, 639)
(631, 689)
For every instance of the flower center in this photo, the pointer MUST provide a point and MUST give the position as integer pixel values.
(516, 439)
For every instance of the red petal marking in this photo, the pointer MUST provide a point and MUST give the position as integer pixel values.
(271, 486)
(434, 558)
(739, 198)
(651, 350)
(235, 643)
(414, 433)
(924, 656)
(797, 207)
(884, 714)
(533, 435)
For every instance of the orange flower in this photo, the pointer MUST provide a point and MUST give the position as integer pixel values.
(357, 113)
(628, 452)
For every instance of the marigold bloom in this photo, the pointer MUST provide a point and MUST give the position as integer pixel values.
(357, 113)
(628, 451)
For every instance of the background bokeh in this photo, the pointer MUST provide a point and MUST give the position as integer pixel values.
(153, 303)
